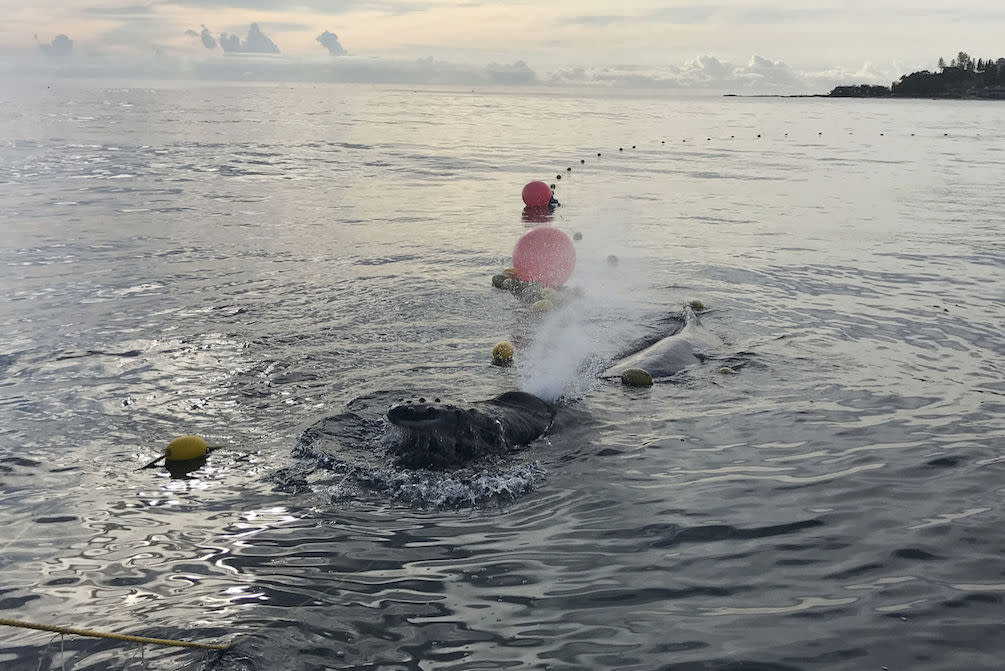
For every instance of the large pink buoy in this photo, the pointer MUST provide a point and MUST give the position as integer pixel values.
(545, 255)
(536, 194)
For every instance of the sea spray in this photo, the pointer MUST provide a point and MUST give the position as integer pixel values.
(557, 362)
(570, 343)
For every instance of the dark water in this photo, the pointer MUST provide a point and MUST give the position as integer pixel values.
(242, 262)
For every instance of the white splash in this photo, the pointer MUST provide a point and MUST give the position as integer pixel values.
(572, 342)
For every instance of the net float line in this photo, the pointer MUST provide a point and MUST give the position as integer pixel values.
(115, 637)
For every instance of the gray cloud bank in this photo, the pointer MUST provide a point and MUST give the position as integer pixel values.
(702, 72)
(260, 61)
(354, 69)
(758, 75)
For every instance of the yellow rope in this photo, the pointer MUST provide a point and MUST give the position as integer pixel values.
(115, 637)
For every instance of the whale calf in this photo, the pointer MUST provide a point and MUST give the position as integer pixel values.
(672, 354)
(438, 435)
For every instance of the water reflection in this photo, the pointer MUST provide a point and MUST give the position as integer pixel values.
(847, 477)
(537, 214)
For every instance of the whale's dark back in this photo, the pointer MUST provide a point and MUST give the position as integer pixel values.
(526, 415)
(467, 431)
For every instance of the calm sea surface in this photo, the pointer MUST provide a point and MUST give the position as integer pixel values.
(242, 262)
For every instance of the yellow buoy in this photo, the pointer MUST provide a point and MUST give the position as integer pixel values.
(185, 448)
(503, 350)
(542, 305)
(637, 377)
(697, 306)
(502, 354)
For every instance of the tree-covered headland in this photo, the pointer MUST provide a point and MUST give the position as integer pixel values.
(962, 78)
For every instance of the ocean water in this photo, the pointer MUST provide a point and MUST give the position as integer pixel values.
(243, 262)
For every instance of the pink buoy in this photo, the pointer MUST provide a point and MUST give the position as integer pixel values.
(545, 255)
(536, 194)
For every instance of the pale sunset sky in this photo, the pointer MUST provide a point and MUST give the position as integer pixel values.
(747, 44)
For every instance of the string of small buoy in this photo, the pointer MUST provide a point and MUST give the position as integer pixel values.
(542, 288)
(708, 138)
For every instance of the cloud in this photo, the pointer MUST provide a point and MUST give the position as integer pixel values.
(705, 69)
(208, 40)
(61, 48)
(685, 14)
(575, 75)
(316, 7)
(260, 61)
(518, 73)
(230, 42)
(130, 11)
(868, 73)
(771, 73)
(595, 20)
(758, 75)
(256, 42)
(702, 72)
(680, 14)
(330, 42)
(287, 26)
(357, 69)
(778, 15)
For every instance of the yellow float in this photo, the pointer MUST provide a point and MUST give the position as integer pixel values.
(502, 354)
(185, 448)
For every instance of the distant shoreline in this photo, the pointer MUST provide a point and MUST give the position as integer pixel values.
(870, 97)
(775, 95)
(962, 79)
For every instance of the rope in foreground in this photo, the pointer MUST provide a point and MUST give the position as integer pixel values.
(115, 637)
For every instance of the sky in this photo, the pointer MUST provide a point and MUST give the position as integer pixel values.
(744, 45)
